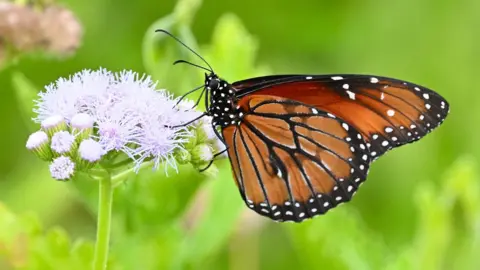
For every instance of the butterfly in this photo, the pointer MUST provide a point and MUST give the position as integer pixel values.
(300, 145)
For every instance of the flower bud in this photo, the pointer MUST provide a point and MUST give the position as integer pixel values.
(63, 143)
(38, 143)
(201, 154)
(82, 126)
(182, 156)
(190, 141)
(205, 132)
(53, 124)
(62, 168)
(89, 153)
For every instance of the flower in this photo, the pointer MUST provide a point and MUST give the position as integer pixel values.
(53, 124)
(82, 126)
(79, 93)
(114, 113)
(38, 142)
(62, 142)
(62, 168)
(90, 152)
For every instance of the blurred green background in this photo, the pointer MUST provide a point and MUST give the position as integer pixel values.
(420, 208)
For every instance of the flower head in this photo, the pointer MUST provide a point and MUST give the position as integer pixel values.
(38, 142)
(90, 150)
(118, 113)
(63, 142)
(62, 168)
(78, 94)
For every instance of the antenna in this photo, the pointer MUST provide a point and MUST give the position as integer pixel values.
(184, 45)
(192, 64)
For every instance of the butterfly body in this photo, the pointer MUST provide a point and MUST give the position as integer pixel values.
(222, 104)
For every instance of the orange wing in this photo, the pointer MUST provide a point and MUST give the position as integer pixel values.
(292, 161)
(388, 112)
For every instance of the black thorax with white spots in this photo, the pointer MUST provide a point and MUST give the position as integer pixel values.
(222, 103)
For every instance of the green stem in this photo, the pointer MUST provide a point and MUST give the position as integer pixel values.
(103, 223)
(120, 177)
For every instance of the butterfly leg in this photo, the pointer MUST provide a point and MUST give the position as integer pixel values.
(188, 123)
(200, 98)
(213, 159)
(188, 93)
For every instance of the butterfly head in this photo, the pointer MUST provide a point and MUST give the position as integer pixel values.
(222, 103)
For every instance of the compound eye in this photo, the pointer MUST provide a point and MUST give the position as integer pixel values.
(213, 84)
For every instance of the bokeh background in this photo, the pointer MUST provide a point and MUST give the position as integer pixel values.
(419, 209)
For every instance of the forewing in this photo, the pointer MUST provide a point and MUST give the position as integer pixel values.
(388, 112)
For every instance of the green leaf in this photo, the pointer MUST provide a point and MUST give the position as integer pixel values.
(233, 50)
(159, 52)
(25, 93)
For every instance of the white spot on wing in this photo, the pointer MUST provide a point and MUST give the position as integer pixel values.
(391, 112)
(351, 95)
(373, 80)
(337, 78)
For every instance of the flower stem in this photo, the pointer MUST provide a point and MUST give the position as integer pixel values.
(120, 177)
(103, 223)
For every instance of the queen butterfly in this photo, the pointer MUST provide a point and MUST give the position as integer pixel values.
(299, 145)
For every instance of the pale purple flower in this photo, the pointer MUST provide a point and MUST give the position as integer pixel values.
(79, 93)
(128, 113)
(36, 139)
(82, 121)
(62, 168)
(118, 128)
(90, 150)
(52, 121)
(62, 142)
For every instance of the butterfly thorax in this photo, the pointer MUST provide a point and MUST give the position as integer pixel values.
(222, 102)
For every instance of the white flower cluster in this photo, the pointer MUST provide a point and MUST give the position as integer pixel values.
(94, 113)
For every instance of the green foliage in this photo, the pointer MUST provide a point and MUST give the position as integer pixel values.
(24, 244)
(418, 210)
